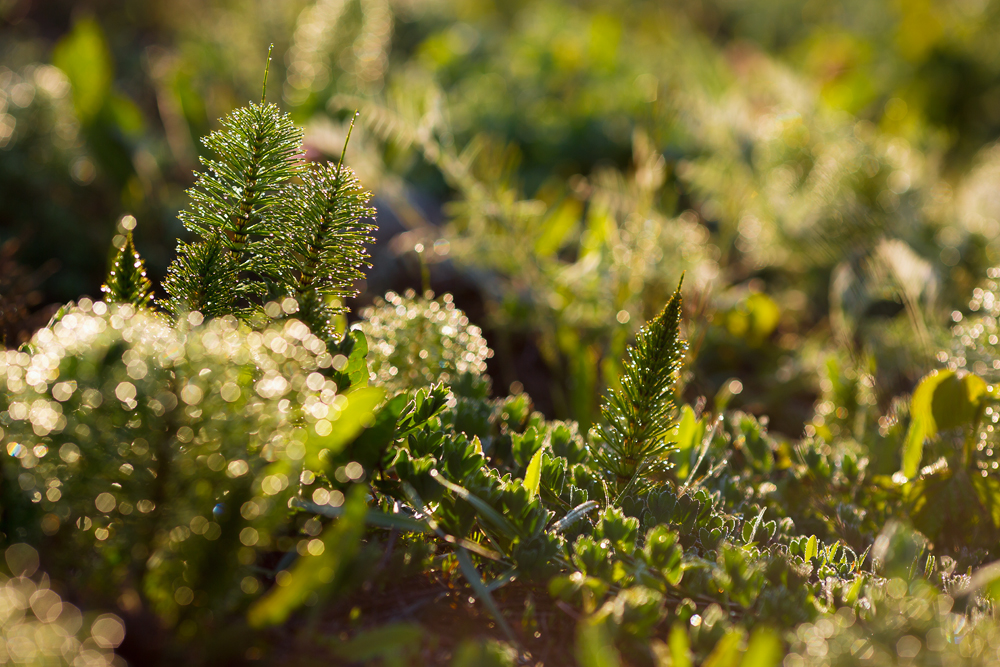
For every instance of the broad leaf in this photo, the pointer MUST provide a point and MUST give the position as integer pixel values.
(533, 476)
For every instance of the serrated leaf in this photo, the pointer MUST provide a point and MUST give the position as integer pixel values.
(485, 510)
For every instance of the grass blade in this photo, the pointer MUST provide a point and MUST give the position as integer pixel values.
(483, 593)
(573, 516)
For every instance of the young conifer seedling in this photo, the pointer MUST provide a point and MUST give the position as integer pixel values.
(638, 415)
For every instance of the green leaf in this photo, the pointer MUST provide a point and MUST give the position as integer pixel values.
(921, 422)
(357, 364)
(680, 646)
(372, 517)
(533, 476)
(726, 652)
(943, 400)
(811, 548)
(855, 590)
(485, 510)
(764, 316)
(573, 516)
(84, 57)
(356, 415)
(559, 223)
(763, 650)
(688, 435)
(750, 528)
(593, 645)
(524, 445)
(956, 399)
(340, 544)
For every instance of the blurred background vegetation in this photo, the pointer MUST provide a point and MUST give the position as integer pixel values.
(825, 173)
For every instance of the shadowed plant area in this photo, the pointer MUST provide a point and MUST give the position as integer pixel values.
(550, 333)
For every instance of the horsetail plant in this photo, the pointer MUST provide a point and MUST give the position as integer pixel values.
(257, 152)
(270, 226)
(127, 281)
(638, 415)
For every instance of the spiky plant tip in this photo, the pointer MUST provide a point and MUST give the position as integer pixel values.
(255, 153)
(127, 281)
(638, 415)
(326, 224)
(257, 150)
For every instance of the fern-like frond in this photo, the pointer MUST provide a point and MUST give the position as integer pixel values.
(638, 415)
(127, 281)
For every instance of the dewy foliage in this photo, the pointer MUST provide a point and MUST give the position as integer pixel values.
(127, 281)
(318, 257)
(638, 415)
(257, 151)
(268, 225)
(210, 474)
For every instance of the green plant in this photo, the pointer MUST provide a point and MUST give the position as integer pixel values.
(638, 415)
(262, 236)
(127, 281)
(421, 341)
(235, 464)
